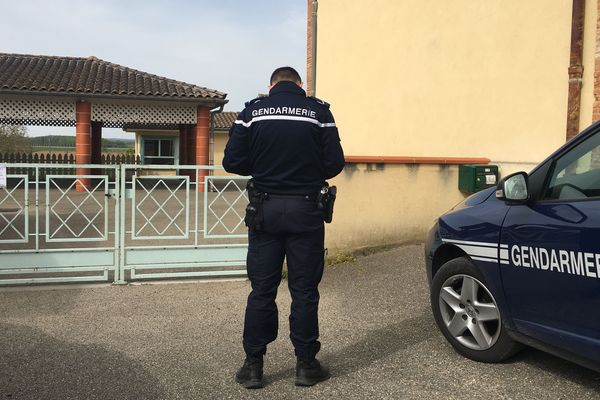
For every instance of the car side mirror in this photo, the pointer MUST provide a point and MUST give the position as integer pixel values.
(514, 188)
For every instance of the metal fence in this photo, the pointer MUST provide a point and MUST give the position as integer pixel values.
(66, 158)
(121, 223)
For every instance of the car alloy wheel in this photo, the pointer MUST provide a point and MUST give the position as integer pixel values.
(469, 312)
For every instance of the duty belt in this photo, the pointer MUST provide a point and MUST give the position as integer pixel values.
(311, 197)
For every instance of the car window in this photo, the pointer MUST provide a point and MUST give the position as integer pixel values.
(576, 175)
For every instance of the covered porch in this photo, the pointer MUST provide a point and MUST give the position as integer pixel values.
(91, 94)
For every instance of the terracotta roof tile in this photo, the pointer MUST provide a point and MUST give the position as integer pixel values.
(224, 120)
(34, 74)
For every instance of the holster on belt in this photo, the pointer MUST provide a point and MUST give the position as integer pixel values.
(326, 201)
(254, 210)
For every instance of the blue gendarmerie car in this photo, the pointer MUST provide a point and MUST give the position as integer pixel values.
(520, 263)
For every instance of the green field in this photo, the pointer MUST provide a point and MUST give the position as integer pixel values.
(71, 150)
(68, 142)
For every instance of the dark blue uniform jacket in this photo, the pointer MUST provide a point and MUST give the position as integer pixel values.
(288, 142)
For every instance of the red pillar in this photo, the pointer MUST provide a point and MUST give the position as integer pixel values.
(202, 138)
(83, 141)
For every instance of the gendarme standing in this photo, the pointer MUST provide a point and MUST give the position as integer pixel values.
(289, 144)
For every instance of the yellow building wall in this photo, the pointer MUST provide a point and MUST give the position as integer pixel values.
(388, 204)
(220, 140)
(457, 78)
(446, 78)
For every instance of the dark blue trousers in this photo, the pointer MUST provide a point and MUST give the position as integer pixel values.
(293, 229)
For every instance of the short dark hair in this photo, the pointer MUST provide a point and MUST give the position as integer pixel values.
(285, 74)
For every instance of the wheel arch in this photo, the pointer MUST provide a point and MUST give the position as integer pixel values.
(445, 253)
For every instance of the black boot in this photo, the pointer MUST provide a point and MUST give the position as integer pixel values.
(250, 375)
(310, 372)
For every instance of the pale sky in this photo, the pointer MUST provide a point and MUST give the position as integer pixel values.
(227, 45)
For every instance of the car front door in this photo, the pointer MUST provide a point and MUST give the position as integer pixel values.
(550, 255)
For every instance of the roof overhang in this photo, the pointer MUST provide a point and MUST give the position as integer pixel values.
(205, 102)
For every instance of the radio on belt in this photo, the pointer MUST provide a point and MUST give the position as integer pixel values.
(473, 178)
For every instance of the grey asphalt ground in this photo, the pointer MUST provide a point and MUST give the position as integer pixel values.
(182, 341)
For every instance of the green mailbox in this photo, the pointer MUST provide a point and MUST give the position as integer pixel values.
(473, 178)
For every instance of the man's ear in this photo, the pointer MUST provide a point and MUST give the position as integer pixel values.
(299, 84)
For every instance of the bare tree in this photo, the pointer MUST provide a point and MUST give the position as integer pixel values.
(14, 139)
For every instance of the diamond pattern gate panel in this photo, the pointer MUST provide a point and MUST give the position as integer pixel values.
(52, 232)
(225, 204)
(76, 216)
(14, 217)
(175, 228)
(161, 208)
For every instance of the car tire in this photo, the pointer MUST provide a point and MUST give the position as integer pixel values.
(467, 313)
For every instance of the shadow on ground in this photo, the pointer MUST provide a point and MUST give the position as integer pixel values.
(560, 368)
(375, 345)
(34, 365)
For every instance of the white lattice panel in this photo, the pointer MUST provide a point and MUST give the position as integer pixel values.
(121, 114)
(37, 112)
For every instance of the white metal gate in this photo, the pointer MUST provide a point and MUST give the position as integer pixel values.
(120, 224)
